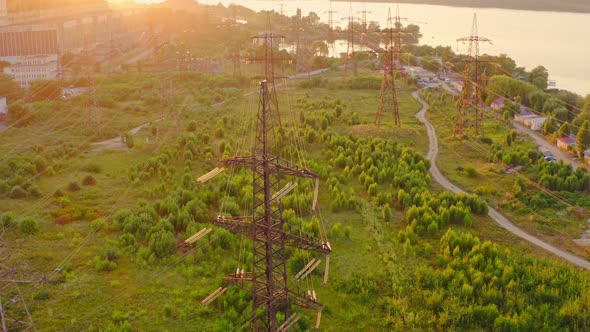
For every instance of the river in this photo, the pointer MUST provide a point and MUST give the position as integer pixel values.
(559, 41)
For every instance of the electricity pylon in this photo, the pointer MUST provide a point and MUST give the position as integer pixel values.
(471, 95)
(388, 94)
(266, 228)
(331, 35)
(350, 51)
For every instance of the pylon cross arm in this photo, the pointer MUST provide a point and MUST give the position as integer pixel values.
(292, 236)
(277, 165)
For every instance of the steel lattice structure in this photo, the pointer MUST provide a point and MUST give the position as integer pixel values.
(265, 227)
(393, 50)
(471, 95)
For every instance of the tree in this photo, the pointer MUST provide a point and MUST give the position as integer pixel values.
(539, 77)
(387, 215)
(550, 126)
(564, 130)
(583, 138)
(10, 89)
(18, 114)
(45, 90)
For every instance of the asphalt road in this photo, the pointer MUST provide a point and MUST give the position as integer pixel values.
(493, 213)
(545, 145)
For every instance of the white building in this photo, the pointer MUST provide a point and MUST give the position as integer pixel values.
(3, 107)
(33, 67)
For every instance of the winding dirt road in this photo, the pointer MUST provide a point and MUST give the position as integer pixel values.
(493, 213)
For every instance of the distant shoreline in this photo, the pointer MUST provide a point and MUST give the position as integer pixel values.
(572, 6)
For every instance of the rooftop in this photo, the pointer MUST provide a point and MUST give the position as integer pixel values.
(567, 140)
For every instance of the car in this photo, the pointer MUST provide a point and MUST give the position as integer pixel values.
(548, 154)
(550, 159)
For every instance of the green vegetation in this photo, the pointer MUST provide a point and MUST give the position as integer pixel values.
(515, 193)
(395, 255)
(103, 206)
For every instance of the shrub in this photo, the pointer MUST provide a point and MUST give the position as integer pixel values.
(41, 295)
(73, 186)
(34, 191)
(89, 180)
(29, 226)
(91, 168)
(470, 171)
(192, 126)
(8, 219)
(18, 192)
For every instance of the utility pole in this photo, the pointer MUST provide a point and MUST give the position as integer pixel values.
(271, 295)
(350, 53)
(471, 95)
(388, 94)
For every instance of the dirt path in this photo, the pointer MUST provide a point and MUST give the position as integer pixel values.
(117, 143)
(493, 213)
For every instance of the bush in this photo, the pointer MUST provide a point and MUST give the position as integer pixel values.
(73, 186)
(29, 226)
(18, 192)
(192, 126)
(470, 171)
(89, 180)
(8, 219)
(92, 168)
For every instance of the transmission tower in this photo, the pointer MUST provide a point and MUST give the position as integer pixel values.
(471, 95)
(388, 95)
(331, 35)
(364, 23)
(266, 228)
(282, 6)
(350, 52)
(14, 312)
(93, 120)
(236, 50)
(301, 48)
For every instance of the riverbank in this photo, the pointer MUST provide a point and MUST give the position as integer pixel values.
(573, 6)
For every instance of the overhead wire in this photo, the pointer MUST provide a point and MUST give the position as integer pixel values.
(97, 228)
(519, 175)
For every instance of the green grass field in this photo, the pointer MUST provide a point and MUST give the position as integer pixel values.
(371, 278)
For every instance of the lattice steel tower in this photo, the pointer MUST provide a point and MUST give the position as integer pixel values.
(350, 51)
(471, 97)
(388, 95)
(331, 36)
(266, 228)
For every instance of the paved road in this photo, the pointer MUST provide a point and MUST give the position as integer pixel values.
(493, 213)
(545, 145)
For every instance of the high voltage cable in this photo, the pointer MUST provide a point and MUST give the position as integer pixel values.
(520, 175)
(93, 231)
